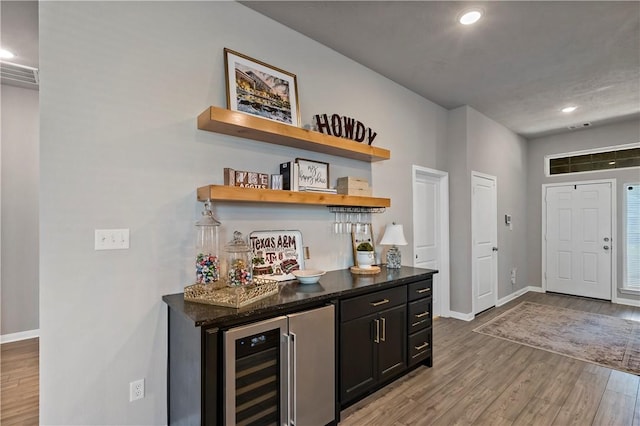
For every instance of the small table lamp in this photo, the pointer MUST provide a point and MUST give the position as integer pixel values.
(393, 236)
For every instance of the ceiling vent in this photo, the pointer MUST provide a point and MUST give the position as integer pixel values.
(16, 73)
(579, 126)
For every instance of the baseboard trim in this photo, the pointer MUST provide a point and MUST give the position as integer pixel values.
(517, 294)
(461, 316)
(22, 335)
(629, 302)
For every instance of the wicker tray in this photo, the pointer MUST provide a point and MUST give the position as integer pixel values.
(232, 297)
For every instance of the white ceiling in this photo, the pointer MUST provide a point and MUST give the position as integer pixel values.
(519, 65)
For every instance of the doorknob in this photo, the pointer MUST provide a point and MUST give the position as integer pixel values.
(606, 239)
(606, 247)
(495, 249)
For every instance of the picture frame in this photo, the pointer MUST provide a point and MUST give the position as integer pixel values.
(260, 89)
(361, 233)
(312, 174)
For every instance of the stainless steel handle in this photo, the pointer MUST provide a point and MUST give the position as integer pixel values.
(417, 323)
(294, 383)
(381, 302)
(422, 346)
(287, 339)
(606, 247)
(384, 329)
(377, 339)
(423, 290)
(424, 314)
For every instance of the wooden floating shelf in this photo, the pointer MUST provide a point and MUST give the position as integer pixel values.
(234, 193)
(243, 125)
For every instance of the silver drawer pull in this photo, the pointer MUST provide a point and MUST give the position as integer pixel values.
(423, 290)
(424, 314)
(422, 346)
(381, 302)
(418, 323)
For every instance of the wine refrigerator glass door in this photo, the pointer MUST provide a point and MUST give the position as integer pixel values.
(256, 374)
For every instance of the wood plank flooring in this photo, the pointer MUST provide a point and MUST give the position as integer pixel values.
(481, 380)
(19, 383)
(476, 379)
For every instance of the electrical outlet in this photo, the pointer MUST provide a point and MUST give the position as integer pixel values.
(136, 390)
(513, 275)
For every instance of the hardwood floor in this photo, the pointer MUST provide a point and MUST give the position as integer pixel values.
(19, 383)
(476, 379)
(481, 380)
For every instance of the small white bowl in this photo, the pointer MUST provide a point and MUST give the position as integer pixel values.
(308, 276)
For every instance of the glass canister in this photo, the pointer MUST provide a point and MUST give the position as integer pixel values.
(207, 258)
(238, 260)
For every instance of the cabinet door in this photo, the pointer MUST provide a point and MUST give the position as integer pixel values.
(357, 357)
(392, 350)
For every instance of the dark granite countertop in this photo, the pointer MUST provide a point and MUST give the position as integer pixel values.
(293, 296)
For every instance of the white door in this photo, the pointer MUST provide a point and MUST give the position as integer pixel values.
(484, 231)
(431, 231)
(578, 239)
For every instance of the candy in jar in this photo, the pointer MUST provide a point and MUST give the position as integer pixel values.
(207, 259)
(239, 264)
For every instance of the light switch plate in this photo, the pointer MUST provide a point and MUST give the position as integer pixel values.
(111, 239)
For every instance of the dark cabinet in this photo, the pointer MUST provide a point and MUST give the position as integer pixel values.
(419, 322)
(373, 341)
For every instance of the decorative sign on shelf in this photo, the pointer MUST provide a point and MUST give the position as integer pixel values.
(343, 127)
(276, 253)
(312, 174)
(245, 179)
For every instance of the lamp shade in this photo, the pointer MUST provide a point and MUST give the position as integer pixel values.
(393, 235)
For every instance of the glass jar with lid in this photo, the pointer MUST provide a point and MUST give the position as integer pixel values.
(207, 246)
(239, 262)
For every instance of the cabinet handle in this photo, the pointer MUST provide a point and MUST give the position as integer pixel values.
(384, 329)
(422, 346)
(381, 302)
(424, 314)
(423, 290)
(418, 323)
(377, 339)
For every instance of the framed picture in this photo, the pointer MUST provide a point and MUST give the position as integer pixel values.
(312, 174)
(260, 89)
(363, 244)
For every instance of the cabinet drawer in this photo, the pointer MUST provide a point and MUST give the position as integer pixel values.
(419, 315)
(419, 346)
(420, 289)
(371, 303)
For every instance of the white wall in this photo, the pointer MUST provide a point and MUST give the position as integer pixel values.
(121, 86)
(459, 211)
(596, 137)
(20, 172)
(477, 143)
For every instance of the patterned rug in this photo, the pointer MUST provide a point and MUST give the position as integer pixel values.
(600, 339)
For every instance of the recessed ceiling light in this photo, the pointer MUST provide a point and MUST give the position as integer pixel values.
(470, 16)
(569, 109)
(5, 54)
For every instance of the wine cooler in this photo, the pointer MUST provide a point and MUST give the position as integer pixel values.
(281, 371)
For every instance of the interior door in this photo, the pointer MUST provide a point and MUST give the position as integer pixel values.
(578, 239)
(484, 232)
(426, 230)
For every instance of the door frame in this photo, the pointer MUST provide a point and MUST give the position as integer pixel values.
(443, 199)
(614, 231)
(474, 283)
